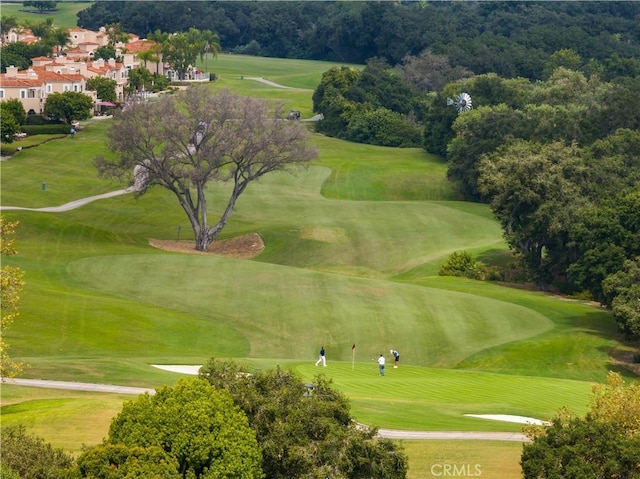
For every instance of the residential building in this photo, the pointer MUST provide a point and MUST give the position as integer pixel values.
(32, 86)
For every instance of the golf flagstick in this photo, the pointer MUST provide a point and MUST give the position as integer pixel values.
(353, 356)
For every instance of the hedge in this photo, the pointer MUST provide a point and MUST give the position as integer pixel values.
(55, 129)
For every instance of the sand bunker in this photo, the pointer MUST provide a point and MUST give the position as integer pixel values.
(510, 418)
(182, 369)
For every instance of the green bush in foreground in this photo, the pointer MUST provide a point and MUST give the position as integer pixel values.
(582, 447)
(305, 430)
(25, 455)
(112, 461)
(192, 425)
(603, 444)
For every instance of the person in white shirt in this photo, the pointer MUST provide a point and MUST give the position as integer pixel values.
(381, 362)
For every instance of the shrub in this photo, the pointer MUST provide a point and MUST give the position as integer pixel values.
(30, 456)
(460, 263)
(380, 126)
(251, 48)
(50, 129)
(36, 120)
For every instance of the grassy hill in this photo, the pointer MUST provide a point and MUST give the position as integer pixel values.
(64, 16)
(352, 249)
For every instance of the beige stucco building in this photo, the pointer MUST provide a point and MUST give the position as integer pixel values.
(71, 71)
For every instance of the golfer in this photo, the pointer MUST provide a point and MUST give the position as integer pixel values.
(321, 358)
(396, 358)
(381, 362)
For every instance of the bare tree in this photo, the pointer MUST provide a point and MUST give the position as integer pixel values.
(188, 140)
(430, 72)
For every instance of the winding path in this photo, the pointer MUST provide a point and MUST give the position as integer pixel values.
(387, 433)
(73, 204)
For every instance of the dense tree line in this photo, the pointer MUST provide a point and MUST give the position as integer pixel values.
(556, 159)
(372, 106)
(510, 39)
(558, 162)
(603, 443)
(226, 424)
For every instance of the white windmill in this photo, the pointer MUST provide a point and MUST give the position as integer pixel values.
(462, 102)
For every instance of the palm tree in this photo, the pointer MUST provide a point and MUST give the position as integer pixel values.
(59, 37)
(212, 45)
(6, 25)
(159, 38)
(116, 33)
(41, 29)
(146, 56)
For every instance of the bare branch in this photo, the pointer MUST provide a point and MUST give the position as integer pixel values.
(188, 141)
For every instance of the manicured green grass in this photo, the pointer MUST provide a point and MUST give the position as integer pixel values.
(292, 73)
(65, 165)
(413, 398)
(65, 15)
(300, 77)
(9, 149)
(406, 398)
(61, 416)
(434, 459)
(366, 172)
(353, 245)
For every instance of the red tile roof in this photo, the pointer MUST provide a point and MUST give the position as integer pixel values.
(137, 46)
(13, 82)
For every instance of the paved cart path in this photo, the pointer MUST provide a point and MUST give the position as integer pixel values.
(73, 204)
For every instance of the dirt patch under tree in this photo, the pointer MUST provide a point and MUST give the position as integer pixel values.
(241, 247)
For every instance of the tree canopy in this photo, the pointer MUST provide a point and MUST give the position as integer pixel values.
(68, 106)
(604, 443)
(371, 106)
(305, 430)
(104, 87)
(186, 142)
(12, 115)
(41, 5)
(189, 430)
(26, 455)
(180, 50)
(11, 284)
(560, 170)
(506, 38)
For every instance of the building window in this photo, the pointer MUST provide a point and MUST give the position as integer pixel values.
(75, 87)
(23, 94)
(1, 93)
(31, 94)
(65, 88)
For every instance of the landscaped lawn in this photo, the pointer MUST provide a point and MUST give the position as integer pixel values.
(64, 16)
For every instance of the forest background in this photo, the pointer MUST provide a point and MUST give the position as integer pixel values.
(556, 83)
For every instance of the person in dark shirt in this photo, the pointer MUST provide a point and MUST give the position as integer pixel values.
(396, 358)
(322, 358)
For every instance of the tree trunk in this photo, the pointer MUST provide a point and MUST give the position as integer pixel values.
(205, 235)
(202, 240)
